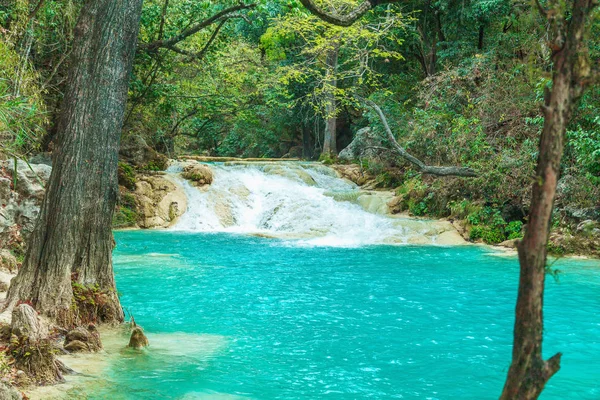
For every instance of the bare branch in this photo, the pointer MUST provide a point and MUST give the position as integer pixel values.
(421, 166)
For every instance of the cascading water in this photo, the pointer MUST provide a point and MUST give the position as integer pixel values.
(298, 201)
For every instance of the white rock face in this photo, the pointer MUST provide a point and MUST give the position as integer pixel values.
(20, 204)
(160, 201)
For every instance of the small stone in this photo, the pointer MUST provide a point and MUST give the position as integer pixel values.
(77, 346)
(83, 339)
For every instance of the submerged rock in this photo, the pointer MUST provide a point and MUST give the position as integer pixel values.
(291, 171)
(138, 339)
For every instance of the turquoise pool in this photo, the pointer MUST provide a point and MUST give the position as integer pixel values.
(233, 316)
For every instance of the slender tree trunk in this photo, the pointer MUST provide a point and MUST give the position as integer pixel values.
(529, 372)
(480, 38)
(73, 240)
(306, 145)
(329, 141)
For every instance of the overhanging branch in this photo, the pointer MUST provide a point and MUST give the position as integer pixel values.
(171, 42)
(421, 166)
(347, 19)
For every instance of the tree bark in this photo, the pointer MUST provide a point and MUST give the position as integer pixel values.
(529, 372)
(73, 238)
(330, 139)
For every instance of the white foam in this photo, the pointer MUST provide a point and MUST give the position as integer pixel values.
(248, 200)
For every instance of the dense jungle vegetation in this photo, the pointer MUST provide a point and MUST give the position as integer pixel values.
(460, 83)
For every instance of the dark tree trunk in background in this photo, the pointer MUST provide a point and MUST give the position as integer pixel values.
(529, 372)
(73, 237)
(306, 143)
(329, 140)
(481, 35)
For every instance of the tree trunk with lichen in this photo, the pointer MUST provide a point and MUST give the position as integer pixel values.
(529, 372)
(72, 241)
(330, 139)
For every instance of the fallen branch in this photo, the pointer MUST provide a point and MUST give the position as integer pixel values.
(421, 166)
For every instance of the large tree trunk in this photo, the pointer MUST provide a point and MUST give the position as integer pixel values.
(529, 372)
(73, 240)
(329, 140)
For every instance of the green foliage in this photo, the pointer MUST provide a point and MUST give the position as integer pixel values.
(124, 217)
(126, 175)
(22, 114)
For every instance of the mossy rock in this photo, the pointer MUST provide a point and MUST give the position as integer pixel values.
(200, 174)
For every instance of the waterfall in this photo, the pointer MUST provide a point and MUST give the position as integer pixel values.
(304, 202)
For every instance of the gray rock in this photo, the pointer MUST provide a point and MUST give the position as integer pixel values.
(361, 146)
(19, 206)
(83, 339)
(26, 323)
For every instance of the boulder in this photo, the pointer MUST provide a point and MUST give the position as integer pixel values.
(83, 339)
(159, 200)
(8, 262)
(77, 346)
(199, 174)
(364, 146)
(396, 205)
(136, 151)
(352, 172)
(25, 323)
(375, 202)
(138, 339)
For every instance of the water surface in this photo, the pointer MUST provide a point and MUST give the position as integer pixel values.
(233, 316)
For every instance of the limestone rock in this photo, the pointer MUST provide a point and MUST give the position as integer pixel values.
(375, 202)
(138, 339)
(395, 205)
(160, 201)
(20, 205)
(510, 243)
(26, 323)
(362, 146)
(450, 238)
(136, 151)
(352, 172)
(199, 174)
(8, 262)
